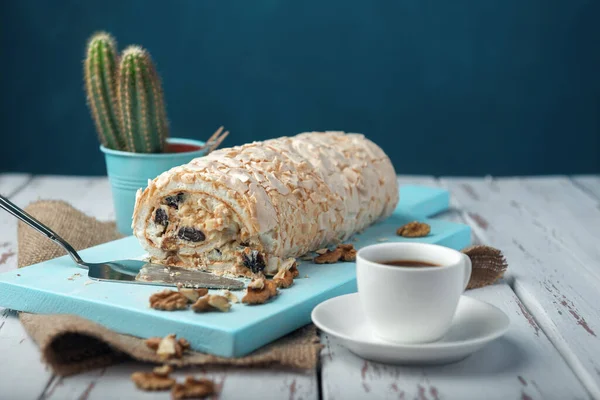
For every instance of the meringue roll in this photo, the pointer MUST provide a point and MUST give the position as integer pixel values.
(254, 208)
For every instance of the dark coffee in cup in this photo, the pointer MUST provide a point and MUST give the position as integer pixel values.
(410, 263)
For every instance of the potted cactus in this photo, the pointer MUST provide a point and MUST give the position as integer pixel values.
(126, 101)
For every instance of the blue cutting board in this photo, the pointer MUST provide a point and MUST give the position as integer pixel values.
(51, 287)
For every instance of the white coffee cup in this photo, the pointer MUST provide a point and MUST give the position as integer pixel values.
(411, 304)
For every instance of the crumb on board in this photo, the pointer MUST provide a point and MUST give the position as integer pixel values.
(72, 277)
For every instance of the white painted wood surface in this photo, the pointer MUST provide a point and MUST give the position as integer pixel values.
(550, 242)
(22, 374)
(589, 184)
(545, 226)
(10, 184)
(92, 196)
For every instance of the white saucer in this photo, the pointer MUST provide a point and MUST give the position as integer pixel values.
(475, 324)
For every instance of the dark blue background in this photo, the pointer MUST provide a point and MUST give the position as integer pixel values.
(503, 87)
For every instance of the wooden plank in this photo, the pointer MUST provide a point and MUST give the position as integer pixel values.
(21, 372)
(521, 365)
(9, 185)
(588, 183)
(93, 197)
(22, 375)
(114, 382)
(565, 214)
(512, 367)
(527, 220)
(90, 195)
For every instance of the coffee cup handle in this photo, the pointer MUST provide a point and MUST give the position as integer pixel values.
(468, 270)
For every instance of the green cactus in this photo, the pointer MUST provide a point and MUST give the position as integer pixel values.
(100, 84)
(143, 116)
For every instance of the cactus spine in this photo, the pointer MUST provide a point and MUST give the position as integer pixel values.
(100, 83)
(143, 116)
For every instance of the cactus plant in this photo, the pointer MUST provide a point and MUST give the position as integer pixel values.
(143, 117)
(125, 98)
(100, 83)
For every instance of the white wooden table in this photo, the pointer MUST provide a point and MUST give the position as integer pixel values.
(548, 228)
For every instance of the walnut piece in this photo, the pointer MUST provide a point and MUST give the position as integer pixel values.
(151, 381)
(260, 296)
(330, 257)
(184, 343)
(344, 252)
(257, 284)
(201, 305)
(283, 279)
(192, 388)
(348, 252)
(169, 346)
(414, 229)
(153, 342)
(294, 271)
(168, 300)
(163, 370)
(219, 302)
(211, 302)
(193, 294)
(230, 296)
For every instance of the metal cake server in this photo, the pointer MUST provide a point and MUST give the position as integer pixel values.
(128, 271)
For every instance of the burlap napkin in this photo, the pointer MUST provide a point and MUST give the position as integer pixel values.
(71, 344)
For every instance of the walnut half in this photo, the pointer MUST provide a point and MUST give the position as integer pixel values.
(414, 229)
(331, 257)
(168, 347)
(212, 302)
(283, 279)
(344, 252)
(193, 388)
(152, 381)
(259, 291)
(168, 300)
